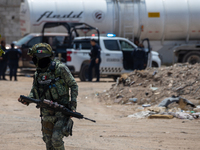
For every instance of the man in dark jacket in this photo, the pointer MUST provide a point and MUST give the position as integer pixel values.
(95, 60)
(13, 58)
(3, 62)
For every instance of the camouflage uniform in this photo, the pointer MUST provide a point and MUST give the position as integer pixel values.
(53, 83)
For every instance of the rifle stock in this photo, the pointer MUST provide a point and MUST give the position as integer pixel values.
(55, 107)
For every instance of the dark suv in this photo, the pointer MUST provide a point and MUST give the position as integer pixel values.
(58, 42)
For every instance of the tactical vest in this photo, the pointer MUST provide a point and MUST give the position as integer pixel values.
(51, 86)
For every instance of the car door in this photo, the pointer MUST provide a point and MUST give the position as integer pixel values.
(111, 57)
(127, 50)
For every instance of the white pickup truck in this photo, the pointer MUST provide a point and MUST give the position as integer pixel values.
(115, 56)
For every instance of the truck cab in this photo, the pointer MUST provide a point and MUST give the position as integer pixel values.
(116, 55)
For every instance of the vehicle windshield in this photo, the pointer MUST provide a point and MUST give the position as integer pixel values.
(23, 40)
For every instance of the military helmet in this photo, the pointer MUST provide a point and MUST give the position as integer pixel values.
(40, 50)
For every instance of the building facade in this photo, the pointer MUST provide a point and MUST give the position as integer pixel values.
(10, 20)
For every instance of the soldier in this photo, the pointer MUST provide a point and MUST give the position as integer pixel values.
(3, 61)
(52, 80)
(13, 58)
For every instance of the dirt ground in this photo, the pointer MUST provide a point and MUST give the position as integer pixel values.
(20, 125)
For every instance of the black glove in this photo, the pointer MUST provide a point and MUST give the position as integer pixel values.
(22, 101)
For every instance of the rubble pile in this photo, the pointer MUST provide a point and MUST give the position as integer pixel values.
(152, 85)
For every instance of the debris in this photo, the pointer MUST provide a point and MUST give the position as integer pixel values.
(183, 102)
(129, 103)
(146, 105)
(154, 88)
(140, 108)
(196, 109)
(169, 73)
(133, 99)
(119, 96)
(132, 82)
(118, 100)
(157, 109)
(142, 114)
(155, 72)
(183, 115)
(125, 79)
(196, 115)
(158, 116)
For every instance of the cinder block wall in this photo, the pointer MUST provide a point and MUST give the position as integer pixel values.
(9, 20)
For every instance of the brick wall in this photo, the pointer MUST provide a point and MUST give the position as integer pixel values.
(9, 20)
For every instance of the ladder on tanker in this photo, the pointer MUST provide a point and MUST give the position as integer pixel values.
(127, 18)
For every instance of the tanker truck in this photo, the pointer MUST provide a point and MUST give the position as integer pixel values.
(172, 26)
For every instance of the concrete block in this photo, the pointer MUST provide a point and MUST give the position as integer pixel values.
(2, 9)
(8, 17)
(13, 2)
(7, 34)
(3, 2)
(6, 30)
(10, 27)
(4, 13)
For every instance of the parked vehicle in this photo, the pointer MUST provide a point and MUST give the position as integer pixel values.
(116, 54)
(54, 39)
(167, 26)
(58, 41)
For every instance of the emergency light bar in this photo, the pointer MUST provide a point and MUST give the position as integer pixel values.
(111, 35)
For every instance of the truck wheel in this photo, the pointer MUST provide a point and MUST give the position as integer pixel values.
(192, 57)
(154, 64)
(83, 75)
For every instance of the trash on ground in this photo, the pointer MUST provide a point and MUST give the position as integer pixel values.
(146, 105)
(158, 116)
(151, 91)
(174, 99)
(141, 114)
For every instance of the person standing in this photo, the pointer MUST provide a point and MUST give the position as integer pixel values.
(3, 62)
(95, 60)
(52, 81)
(13, 58)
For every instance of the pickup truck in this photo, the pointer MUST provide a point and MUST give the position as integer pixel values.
(115, 55)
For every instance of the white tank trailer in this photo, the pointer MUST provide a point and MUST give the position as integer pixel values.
(171, 25)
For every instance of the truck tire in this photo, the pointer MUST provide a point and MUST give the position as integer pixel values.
(154, 64)
(192, 57)
(83, 75)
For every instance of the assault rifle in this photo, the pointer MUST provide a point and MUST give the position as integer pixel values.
(54, 106)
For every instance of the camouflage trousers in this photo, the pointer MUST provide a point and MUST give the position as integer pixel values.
(53, 133)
